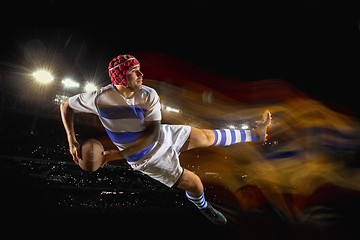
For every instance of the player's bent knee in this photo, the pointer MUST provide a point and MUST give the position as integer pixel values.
(210, 137)
(201, 138)
(196, 186)
(191, 183)
(194, 189)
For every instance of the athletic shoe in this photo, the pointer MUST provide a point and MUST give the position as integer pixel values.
(260, 127)
(214, 215)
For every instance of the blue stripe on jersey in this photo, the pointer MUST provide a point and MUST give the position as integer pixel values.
(146, 92)
(129, 137)
(137, 156)
(123, 137)
(120, 112)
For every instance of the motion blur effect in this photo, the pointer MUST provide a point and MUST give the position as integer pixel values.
(303, 183)
(308, 166)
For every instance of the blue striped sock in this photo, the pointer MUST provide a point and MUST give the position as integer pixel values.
(226, 137)
(199, 201)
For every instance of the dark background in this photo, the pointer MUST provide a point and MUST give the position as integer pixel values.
(314, 45)
(311, 44)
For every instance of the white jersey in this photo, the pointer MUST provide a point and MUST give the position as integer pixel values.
(122, 118)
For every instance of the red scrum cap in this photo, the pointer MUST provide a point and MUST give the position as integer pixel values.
(118, 68)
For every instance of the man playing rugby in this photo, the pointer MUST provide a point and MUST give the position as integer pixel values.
(130, 113)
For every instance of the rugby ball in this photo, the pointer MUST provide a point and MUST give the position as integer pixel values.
(91, 155)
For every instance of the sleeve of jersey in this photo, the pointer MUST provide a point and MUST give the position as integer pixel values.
(84, 102)
(153, 111)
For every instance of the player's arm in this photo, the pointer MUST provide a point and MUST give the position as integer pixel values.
(148, 136)
(67, 116)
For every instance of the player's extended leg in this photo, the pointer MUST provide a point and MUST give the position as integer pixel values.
(192, 184)
(225, 137)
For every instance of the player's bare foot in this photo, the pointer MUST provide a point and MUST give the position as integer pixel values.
(260, 127)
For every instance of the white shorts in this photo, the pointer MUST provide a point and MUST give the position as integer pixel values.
(162, 162)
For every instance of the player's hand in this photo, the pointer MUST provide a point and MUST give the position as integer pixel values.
(74, 148)
(111, 155)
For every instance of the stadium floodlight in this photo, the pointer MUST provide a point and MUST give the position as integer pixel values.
(43, 76)
(170, 109)
(68, 83)
(90, 87)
